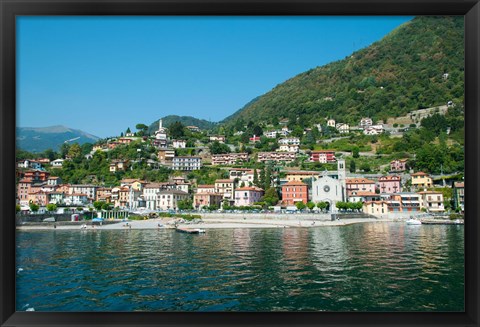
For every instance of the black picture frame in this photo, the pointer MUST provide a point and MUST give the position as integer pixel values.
(9, 9)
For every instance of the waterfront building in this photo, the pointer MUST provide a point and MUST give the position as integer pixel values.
(276, 156)
(355, 185)
(398, 165)
(38, 197)
(389, 184)
(76, 199)
(186, 163)
(168, 199)
(88, 190)
(149, 196)
(104, 194)
(459, 195)
(323, 156)
(406, 202)
(247, 196)
(229, 158)
(55, 197)
(375, 207)
(325, 188)
(23, 189)
(207, 199)
(362, 196)
(421, 180)
(293, 192)
(205, 188)
(432, 201)
(226, 188)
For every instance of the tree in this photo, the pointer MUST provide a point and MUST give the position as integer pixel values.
(34, 207)
(355, 152)
(300, 205)
(17, 208)
(255, 178)
(353, 168)
(185, 205)
(75, 151)
(271, 196)
(218, 148)
(310, 205)
(51, 207)
(142, 129)
(128, 131)
(176, 130)
(268, 177)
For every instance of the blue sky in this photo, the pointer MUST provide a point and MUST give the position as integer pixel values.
(104, 74)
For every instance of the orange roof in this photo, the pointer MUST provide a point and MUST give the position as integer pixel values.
(295, 183)
(249, 188)
(367, 194)
(206, 186)
(359, 181)
(224, 181)
(390, 177)
(420, 173)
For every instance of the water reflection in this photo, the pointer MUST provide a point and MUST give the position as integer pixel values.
(363, 267)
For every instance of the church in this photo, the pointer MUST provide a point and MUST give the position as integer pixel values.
(326, 188)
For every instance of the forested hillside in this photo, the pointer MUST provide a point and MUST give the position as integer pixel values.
(418, 65)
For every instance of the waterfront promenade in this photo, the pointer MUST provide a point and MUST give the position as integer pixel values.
(220, 220)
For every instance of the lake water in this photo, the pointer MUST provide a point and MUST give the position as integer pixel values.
(361, 267)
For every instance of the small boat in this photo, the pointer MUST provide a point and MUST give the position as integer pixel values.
(190, 230)
(412, 221)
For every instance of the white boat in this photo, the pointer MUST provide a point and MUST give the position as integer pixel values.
(412, 221)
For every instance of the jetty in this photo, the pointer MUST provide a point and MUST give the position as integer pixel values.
(190, 230)
(442, 222)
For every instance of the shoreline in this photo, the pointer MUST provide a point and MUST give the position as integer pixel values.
(211, 223)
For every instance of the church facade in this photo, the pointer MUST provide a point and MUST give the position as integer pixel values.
(328, 189)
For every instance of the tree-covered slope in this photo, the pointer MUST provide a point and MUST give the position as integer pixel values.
(404, 71)
(185, 120)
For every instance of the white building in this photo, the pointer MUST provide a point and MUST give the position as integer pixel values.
(179, 144)
(289, 140)
(168, 199)
(329, 189)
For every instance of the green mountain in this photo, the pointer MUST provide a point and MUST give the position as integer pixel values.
(185, 120)
(38, 139)
(406, 70)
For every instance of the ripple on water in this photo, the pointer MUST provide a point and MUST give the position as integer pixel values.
(363, 267)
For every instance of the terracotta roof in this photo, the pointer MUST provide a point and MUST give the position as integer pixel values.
(224, 181)
(359, 181)
(459, 184)
(206, 186)
(249, 188)
(420, 173)
(295, 183)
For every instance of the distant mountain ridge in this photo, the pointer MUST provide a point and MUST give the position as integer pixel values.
(38, 139)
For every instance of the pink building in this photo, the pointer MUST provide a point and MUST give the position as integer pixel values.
(398, 165)
(389, 184)
(355, 185)
(246, 196)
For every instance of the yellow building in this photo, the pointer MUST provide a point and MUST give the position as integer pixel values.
(375, 207)
(421, 180)
(299, 176)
